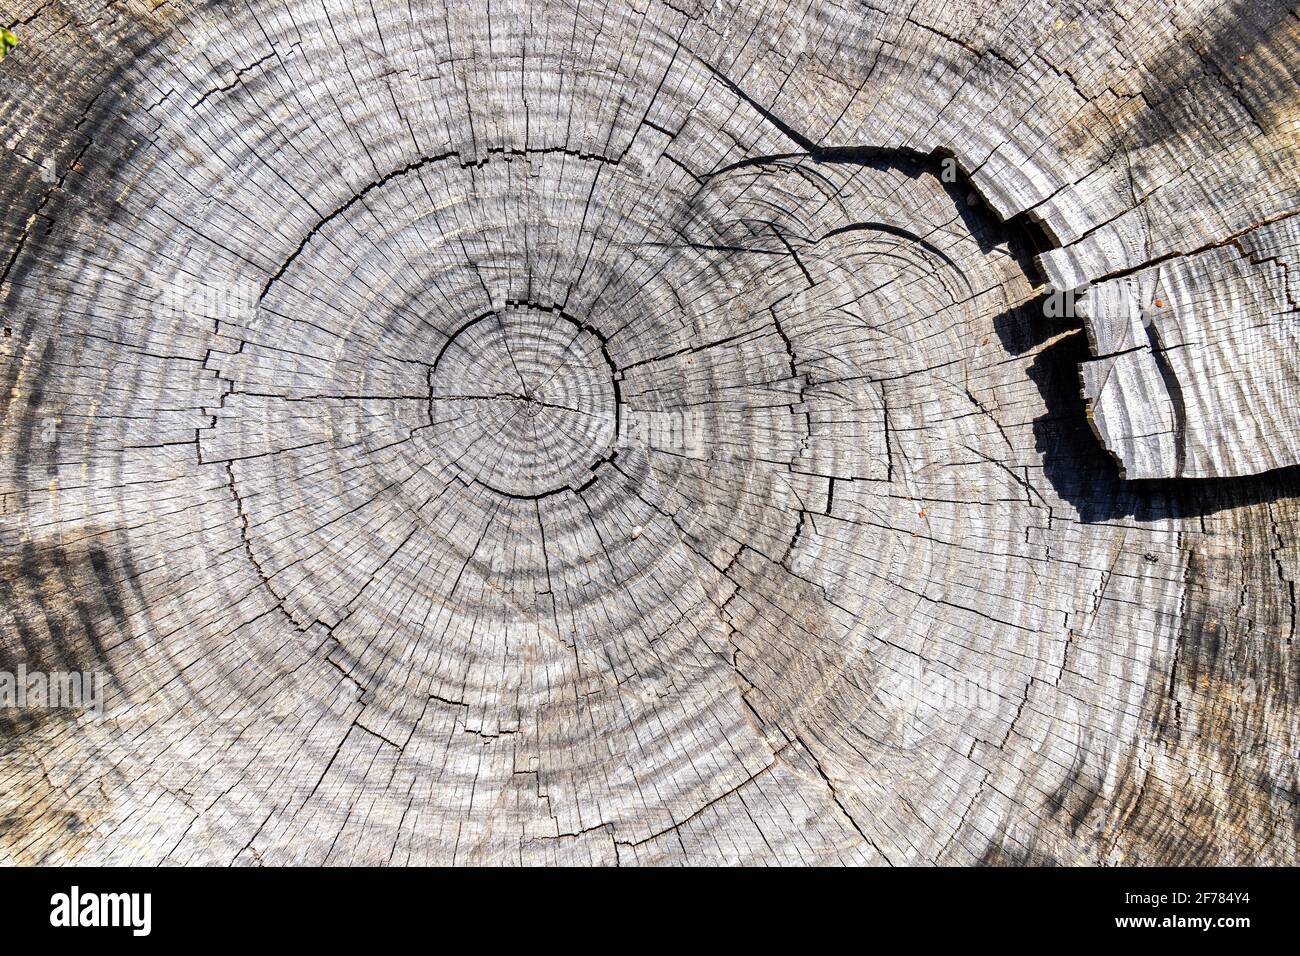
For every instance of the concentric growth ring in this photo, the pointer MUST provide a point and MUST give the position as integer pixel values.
(525, 402)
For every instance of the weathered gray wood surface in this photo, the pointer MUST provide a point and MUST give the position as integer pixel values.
(608, 432)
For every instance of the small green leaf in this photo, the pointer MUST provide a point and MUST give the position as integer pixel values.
(7, 42)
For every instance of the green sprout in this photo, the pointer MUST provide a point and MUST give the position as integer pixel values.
(8, 40)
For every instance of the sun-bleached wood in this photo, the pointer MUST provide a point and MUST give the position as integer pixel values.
(636, 433)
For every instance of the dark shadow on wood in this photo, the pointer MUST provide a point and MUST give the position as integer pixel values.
(1084, 474)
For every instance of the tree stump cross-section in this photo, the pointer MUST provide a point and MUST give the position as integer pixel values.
(643, 433)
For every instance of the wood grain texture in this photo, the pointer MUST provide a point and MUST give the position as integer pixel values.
(633, 433)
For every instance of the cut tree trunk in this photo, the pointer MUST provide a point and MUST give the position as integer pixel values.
(651, 432)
